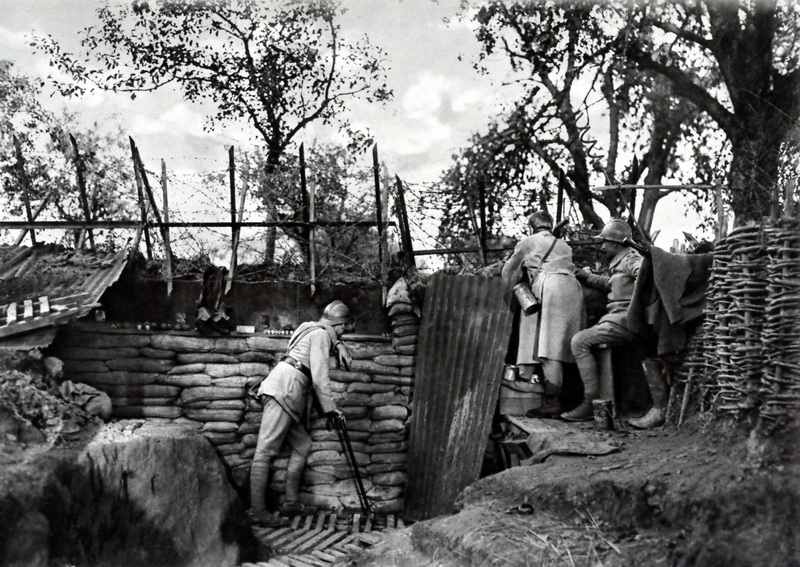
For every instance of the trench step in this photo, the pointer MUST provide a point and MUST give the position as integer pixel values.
(321, 539)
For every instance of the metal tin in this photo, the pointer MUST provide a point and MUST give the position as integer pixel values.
(510, 372)
(527, 301)
(603, 414)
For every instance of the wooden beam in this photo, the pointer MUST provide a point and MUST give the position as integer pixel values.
(165, 231)
(36, 214)
(623, 186)
(378, 207)
(79, 168)
(405, 231)
(72, 225)
(23, 180)
(312, 249)
(142, 204)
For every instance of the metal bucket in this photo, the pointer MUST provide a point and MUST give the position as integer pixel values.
(527, 301)
(510, 372)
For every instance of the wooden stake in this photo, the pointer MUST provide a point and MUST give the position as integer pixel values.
(312, 249)
(234, 230)
(384, 215)
(482, 205)
(405, 231)
(474, 222)
(240, 216)
(162, 227)
(378, 206)
(560, 198)
(167, 243)
(36, 213)
(142, 204)
(305, 230)
(788, 202)
(26, 197)
(79, 167)
(720, 210)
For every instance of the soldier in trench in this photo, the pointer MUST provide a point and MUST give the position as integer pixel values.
(287, 394)
(545, 262)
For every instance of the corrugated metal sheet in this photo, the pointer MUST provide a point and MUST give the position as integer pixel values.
(462, 346)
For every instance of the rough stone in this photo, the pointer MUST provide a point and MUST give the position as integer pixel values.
(213, 415)
(150, 352)
(132, 412)
(192, 368)
(185, 380)
(140, 364)
(82, 353)
(205, 357)
(389, 412)
(369, 388)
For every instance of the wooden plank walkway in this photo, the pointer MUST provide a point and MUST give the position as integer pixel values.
(321, 539)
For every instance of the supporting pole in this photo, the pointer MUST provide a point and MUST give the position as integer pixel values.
(721, 229)
(474, 222)
(788, 202)
(405, 231)
(385, 181)
(151, 198)
(26, 197)
(240, 216)
(140, 195)
(36, 213)
(167, 245)
(79, 167)
(560, 198)
(482, 204)
(234, 228)
(305, 230)
(312, 249)
(378, 207)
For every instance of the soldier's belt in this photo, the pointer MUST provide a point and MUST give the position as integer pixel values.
(298, 366)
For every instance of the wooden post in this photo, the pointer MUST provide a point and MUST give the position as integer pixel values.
(36, 213)
(167, 245)
(385, 181)
(82, 188)
(788, 201)
(306, 230)
(151, 198)
(26, 196)
(239, 217)
(474, 223)
(312, 250)
(234, 228)
(405, 231)
(378, 207)
(560, 198)
(720, 210)
(140, 195)
(482, 204)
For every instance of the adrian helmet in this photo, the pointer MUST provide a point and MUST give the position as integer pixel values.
(335, 313)
(616, 230)
(540, 219)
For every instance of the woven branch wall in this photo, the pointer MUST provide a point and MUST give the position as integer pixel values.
(749, 347)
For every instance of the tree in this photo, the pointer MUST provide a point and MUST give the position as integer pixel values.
(751, 50)
(278, 66)
(562, 56)
(49, 161)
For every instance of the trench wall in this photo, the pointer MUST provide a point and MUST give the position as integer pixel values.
(184, 377)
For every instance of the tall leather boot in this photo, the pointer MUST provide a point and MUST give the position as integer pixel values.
(551, 403)
(656, 376)
(259, 476)
(591, 391)
(294, 474)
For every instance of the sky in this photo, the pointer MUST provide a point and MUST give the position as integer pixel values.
(439, 99)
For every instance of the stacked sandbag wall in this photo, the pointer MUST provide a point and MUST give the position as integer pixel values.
(183, 377)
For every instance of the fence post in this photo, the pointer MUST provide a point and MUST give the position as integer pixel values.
(234, 228)
(482, 204)
(142, 204)
(405, 231)
(239, 217)
(378, 208)
(26, 197)
(306, 230)
(167, 245)
(82, 188)
(560, 198)
(312, 250)
(788, 202)
(149, 191)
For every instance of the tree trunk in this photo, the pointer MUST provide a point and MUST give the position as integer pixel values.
(754, 168)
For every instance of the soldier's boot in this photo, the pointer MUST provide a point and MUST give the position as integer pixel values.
(551, 403)
(294, 474)
(259, 477)
(656, 375)
(591, 391)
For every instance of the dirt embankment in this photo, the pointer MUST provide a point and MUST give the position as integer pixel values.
(700, 495)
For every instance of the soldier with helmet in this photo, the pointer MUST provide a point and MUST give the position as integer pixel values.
(286, 394)
(613, 328)
(544, 263)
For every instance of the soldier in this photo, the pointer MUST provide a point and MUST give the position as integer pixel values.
(287, 393)
(546, 263)
(613, 328)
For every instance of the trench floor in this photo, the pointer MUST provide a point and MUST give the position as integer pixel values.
(322, 539)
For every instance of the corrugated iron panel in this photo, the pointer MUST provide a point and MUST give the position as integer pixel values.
(462, 346)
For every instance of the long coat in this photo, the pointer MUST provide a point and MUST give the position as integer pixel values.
(547, 334)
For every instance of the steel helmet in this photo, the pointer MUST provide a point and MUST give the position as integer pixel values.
(336, 313)
(540, 219)
(616, 230)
